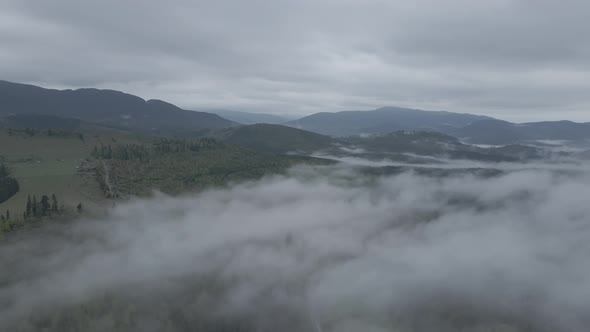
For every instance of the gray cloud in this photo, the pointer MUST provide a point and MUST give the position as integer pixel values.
(519, 60)
(323, 249)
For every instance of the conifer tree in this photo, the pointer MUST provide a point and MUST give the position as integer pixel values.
(29, 206)
(45, 205)
(54, 204)
(34, 206)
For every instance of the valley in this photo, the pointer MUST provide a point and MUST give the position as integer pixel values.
(311, 227)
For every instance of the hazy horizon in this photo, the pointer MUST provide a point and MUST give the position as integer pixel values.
(515, 60)
(291, 116)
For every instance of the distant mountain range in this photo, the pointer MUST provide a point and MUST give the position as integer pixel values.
(468, 127)
(250, 118)
(19, 102)
(383, 120)
(106, 107)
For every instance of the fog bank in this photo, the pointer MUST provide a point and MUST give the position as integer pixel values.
(317, 250)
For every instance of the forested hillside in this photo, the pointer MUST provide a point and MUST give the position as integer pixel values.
(177, 166)
(106, 107)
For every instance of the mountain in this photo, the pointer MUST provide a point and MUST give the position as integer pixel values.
(106, 107)
(468, 127)
(250, 118)
(273, 138)
(383, 120)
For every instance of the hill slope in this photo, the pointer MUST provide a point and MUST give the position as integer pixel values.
(273, 138)
(108, 107)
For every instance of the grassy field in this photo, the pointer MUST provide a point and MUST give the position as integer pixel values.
(45, 164)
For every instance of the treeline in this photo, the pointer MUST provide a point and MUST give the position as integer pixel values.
(42, 207)
(8, 185)
(34, 210)
(162, 147)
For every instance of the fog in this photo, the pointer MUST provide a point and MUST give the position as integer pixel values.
(560, 164)
(319, 249)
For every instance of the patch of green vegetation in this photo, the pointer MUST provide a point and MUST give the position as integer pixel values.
(48, 160)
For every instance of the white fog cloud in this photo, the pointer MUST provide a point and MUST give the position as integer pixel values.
(331, 253)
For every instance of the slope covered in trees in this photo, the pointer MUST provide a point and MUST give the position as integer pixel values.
(177, 165)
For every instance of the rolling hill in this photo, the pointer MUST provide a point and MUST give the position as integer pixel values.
(106, 107)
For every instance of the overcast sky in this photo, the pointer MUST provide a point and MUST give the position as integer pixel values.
(517, 60)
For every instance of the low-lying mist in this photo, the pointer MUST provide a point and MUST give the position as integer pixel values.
(319, 249)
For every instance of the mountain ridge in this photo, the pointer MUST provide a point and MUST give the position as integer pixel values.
(107, 107)
(478, 129)
(381, 120)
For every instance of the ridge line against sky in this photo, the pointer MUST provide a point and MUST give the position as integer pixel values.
(518, 60)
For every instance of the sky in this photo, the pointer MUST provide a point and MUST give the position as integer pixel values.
(519, 60)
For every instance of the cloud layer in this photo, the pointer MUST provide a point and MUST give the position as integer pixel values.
(520, 60)
(323, 250)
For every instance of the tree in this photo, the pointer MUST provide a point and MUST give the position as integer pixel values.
(29, 206)
(54, 205)
(45, 205)
(7, 215)
(34, 206)
(79, 207)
